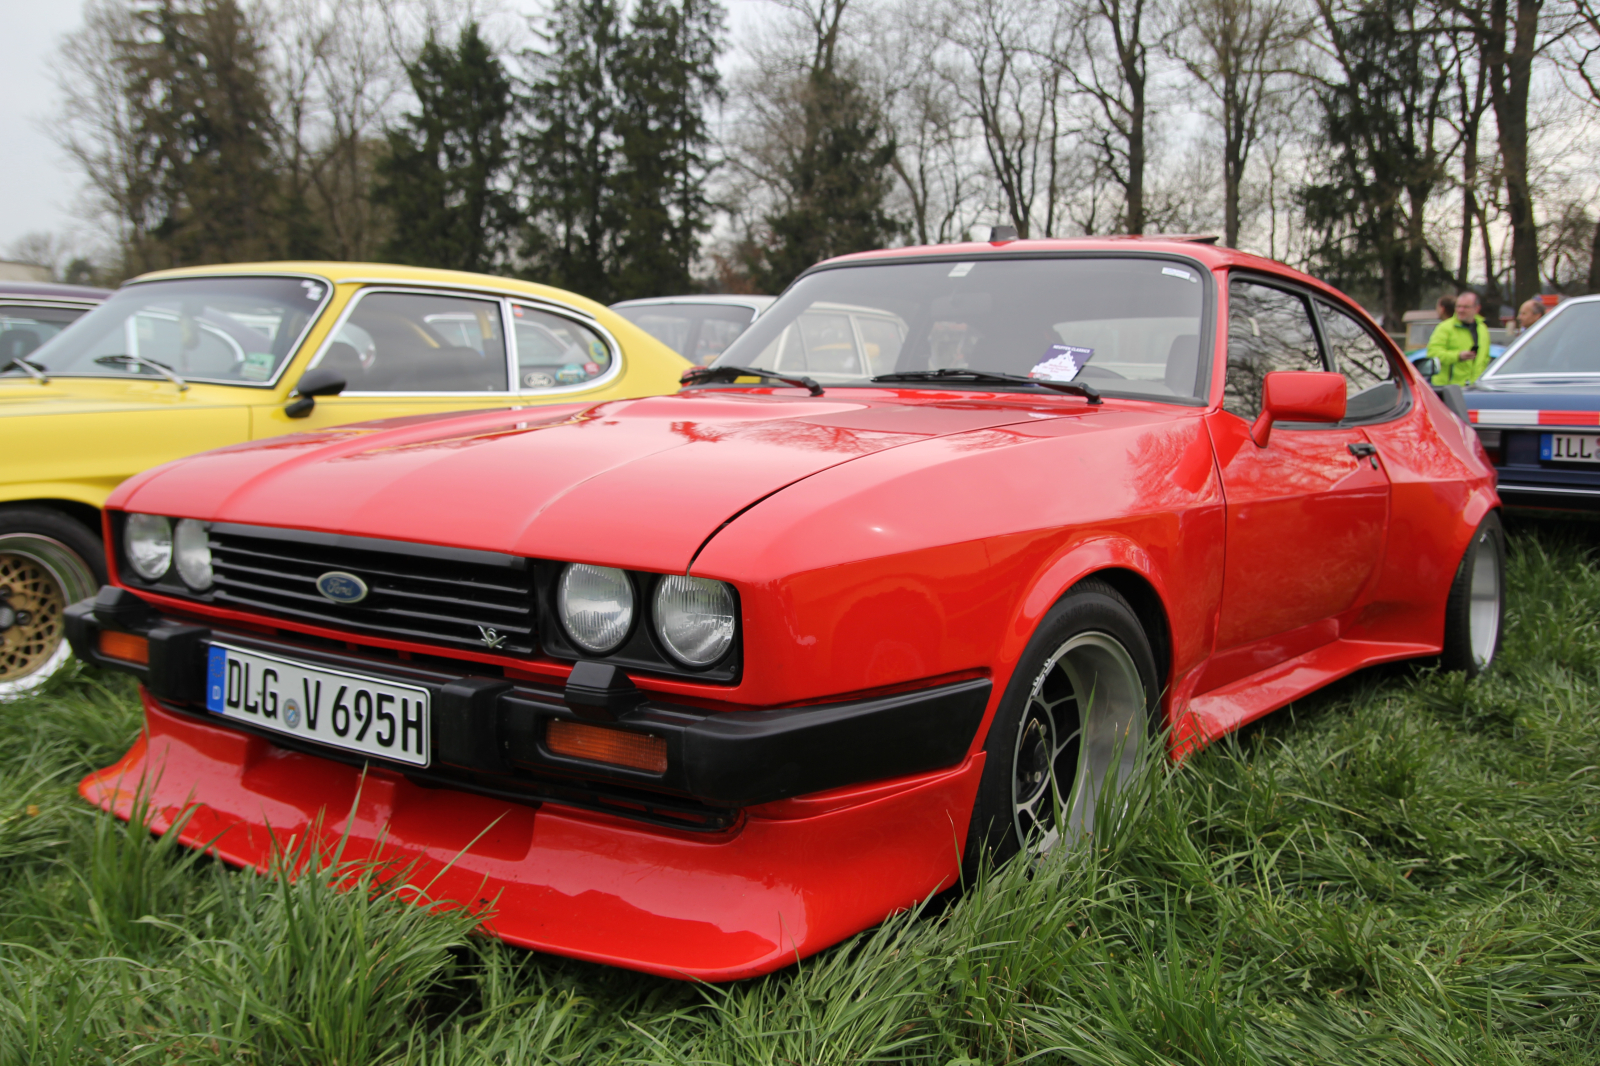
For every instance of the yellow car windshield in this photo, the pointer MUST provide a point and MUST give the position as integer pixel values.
(230, 330)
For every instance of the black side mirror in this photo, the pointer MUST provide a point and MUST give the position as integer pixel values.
(1426, 365)
(318, 381)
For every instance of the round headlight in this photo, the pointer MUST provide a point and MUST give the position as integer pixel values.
(695, 618)
(191, 542)
(148, 544)
(596, 606)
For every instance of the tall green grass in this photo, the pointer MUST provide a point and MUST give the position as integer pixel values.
(1401, 869)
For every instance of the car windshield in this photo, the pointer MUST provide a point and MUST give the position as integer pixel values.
(24, 329)
(1127, 326)
(236, 331)
(698, 332)
(1562, 346)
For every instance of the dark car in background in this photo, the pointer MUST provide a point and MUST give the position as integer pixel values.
(31, 312)
(696, 327)
(1537, 411)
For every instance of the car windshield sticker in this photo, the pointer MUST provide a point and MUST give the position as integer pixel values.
(313, 290)
(1061, 362)
(257, 366)
(961, 270)
(1174, 272)
(537, 379)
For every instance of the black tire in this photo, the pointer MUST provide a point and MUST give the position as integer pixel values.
(1090, 640)
(1475, 610)
(48, 560)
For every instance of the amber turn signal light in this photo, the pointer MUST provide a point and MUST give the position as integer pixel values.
(636, 751)
(125, 646)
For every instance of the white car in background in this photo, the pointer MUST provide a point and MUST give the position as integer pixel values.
(696, 327)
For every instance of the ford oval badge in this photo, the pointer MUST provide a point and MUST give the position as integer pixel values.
(340, 587)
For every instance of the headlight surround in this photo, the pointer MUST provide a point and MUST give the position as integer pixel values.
(191, 541)
(595, 604)
(147, 544)
(696, 618)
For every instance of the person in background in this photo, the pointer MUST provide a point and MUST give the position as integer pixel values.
(1446, 306)
(1460, 344)
(1530, 312)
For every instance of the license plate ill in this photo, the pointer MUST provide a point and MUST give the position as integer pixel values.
(347, 711)
(1569, 447)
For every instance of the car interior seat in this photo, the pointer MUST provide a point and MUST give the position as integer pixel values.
(1183, 363)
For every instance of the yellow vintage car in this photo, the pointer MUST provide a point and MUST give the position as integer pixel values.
(181, 361)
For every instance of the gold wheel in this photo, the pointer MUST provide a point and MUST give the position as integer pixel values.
(39, 577)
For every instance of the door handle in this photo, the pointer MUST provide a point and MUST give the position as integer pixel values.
(1363, 450)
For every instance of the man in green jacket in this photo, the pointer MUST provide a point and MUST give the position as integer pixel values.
(1460, 344)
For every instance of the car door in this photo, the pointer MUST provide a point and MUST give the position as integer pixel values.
(407, 352)
(1307, 514)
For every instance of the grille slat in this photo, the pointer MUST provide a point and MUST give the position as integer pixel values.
(427, 597)
(368, 569)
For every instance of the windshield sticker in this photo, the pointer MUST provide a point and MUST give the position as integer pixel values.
(961, 270)
(1061, 362)
(257, 366)
(313, 290)
(1174, 272)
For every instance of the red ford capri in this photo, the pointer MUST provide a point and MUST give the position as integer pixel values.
(700, 684)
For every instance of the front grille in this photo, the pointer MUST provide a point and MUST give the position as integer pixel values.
(419, 592)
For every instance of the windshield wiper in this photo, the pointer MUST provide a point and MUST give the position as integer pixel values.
(35, 371)
(955, 373)
(705, 375)
(134, 361)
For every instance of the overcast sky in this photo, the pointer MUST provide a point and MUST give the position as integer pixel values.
(38, 188)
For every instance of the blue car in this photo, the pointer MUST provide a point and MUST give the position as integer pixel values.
(1537, 411)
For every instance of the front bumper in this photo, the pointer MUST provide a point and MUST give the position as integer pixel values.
(488, 732)
(773, 834)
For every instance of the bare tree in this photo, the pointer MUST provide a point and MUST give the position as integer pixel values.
(1016, 91)
(1242, 53)
(1582, 59)
(1510, 36)
(1109, 64)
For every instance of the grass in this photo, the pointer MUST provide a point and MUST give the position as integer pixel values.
(1401, 869)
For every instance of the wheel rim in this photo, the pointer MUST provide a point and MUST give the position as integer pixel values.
(1483, 607)
(1084, 722)
(39, 578)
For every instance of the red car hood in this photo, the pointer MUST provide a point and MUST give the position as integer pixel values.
(638, 483)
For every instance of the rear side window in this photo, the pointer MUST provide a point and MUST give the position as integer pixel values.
(553, 352)
(420, 342)
(1269, 329)
(1371, 384)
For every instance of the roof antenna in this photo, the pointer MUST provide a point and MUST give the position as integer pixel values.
(1002, 233)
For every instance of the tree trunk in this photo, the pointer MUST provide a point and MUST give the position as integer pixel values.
(1510, 74)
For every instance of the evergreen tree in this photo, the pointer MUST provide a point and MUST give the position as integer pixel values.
(835, 180)
(569, 156)
(666, 76)
(1378, 125)
(201, 120)
(446, 175)
(618, 153)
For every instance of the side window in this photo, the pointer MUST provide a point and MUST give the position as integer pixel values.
(1268, 329)
(418, 342)
(553, 351)
(1370, 380)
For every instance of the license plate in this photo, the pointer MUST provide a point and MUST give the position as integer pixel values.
(342, 710)
(1569, 447)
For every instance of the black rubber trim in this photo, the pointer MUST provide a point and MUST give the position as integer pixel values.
(488, 733)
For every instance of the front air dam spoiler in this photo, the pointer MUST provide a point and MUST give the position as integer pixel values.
(792, 878)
